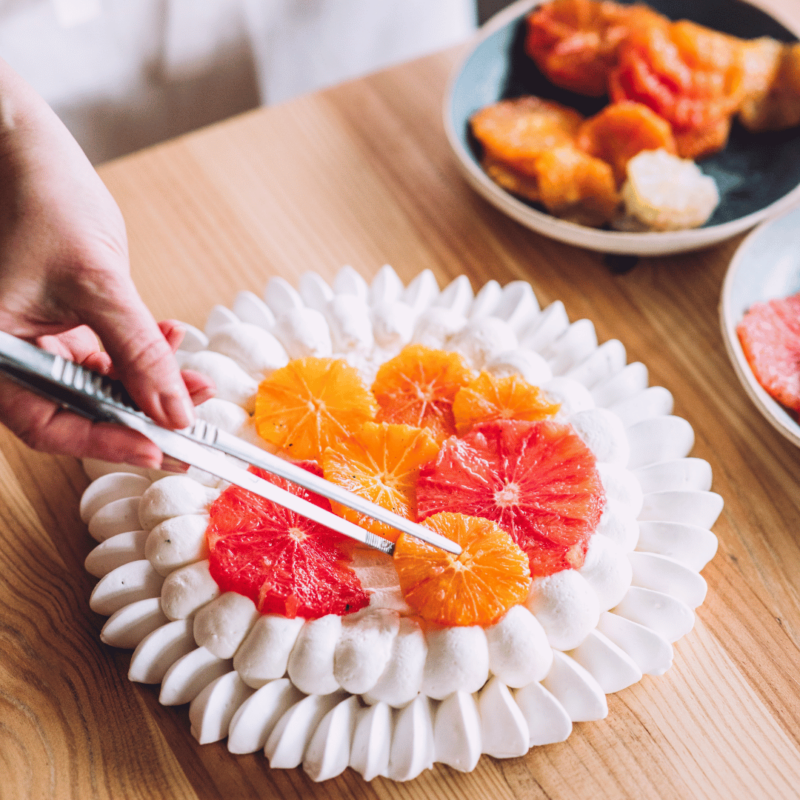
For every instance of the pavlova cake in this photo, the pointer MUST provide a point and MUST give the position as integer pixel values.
(564, 477)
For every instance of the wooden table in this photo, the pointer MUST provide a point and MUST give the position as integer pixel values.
(362, 175)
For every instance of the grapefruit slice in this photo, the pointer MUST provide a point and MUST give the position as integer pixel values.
(418, 386)
(488, 398)
(285, 563)
(311, 403)
(381, 463)
(474, 588)
(770, 337)
(537, 480)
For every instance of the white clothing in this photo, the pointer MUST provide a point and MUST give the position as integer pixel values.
(124, 74)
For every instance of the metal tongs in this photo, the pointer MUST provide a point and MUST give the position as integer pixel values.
(202, 445)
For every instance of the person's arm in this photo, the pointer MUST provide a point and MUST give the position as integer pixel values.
(64, 277)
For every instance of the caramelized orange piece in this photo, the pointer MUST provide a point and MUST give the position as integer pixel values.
(574, 42)
(621, 131)
(772, 85)
(488, 398)
(576, 186)
(380, 463)
(474, 588)
(688, 74)
(515, 132)
(418, 386)
(310, 404)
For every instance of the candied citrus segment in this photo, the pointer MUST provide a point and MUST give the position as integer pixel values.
(537, 480)
(489, 398)
(474, 588)
(574, 42)
(770, 337)
(418, 386)
(516, 131)
(285, 563)
(311, 403)
(621, 131)
(381, 463)
(690, 75)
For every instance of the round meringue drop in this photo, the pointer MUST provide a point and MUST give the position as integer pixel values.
(350, 325)
(264, 654)
(188, 589)
(255, 350)
(603, 433)
(222, 625)
(458, 660)
(177, 542)
(304, 332)
(519, 652)
(519, 361)
(364, 648)
(566, 606)
(173, 496)
(231, 382)
(569, 394)
(311, 660)
(436, 325)
(607, 571)
(479, 341)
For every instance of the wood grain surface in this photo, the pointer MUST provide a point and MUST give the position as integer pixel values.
(362, 175)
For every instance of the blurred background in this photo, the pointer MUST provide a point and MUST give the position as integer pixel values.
(126, 74)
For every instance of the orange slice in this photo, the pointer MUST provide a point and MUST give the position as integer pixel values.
(488, 398)
(418, 386)
(311, 403)
(380, 463)
(474, 588)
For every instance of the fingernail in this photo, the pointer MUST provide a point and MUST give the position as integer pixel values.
(170, 464)
(179, 409)
(142, 460)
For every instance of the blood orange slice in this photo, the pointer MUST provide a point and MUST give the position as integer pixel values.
(310, 403)
(283, 562)
(474, 588)
(537, 480)
(380, 463)
(418, 387)
(488, 398)
(770, 337)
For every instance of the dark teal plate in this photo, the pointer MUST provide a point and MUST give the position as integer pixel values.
(758, 175)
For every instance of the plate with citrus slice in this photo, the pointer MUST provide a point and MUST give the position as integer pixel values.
(566, 479)
(760, 318)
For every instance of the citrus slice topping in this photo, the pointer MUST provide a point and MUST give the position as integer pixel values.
(311, 403)
(537, 480)
(417, 387)
(488, 398)
(474, 588)
(770, 337)
(381, 463)
(285, 563)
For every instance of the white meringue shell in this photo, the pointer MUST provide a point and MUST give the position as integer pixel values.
(457, 296)
(386, 287)
(659, 439)
(504, 730)
(116, 551)
(626, 383)
(690, 508)
(189, 675)
(651, 652)
(518, 306)
(548, 721)
(574, 345)
(479, 341)
(612, 668)
(108, 488)
(667, 616)
(219, 317)
(349, 281)
(127, 626)
(421, 292)
(280, 296)
(264, 655)
(576, 690)
(662, 574)
(372, 741)
(545, 328)
(690, 545)
(412, 749)
(655, 401)
(683, 474)
(486, 300)
(604, 362)
(328, 752)
(126, 584)
(118, 516)
(287, 744)
(257, 717)
(210, 713)
(457, 732)
(159, 650)
(314, 291)
(250, 308)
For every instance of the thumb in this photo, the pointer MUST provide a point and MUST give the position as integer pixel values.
(141, 355)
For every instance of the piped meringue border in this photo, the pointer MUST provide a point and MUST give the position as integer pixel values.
(372, 690)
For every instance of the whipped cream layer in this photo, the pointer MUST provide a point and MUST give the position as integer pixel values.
(379, 690)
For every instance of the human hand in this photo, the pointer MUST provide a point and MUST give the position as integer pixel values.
(64, 278)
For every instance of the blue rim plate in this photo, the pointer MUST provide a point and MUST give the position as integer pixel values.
(758, 174)
(766, 265)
